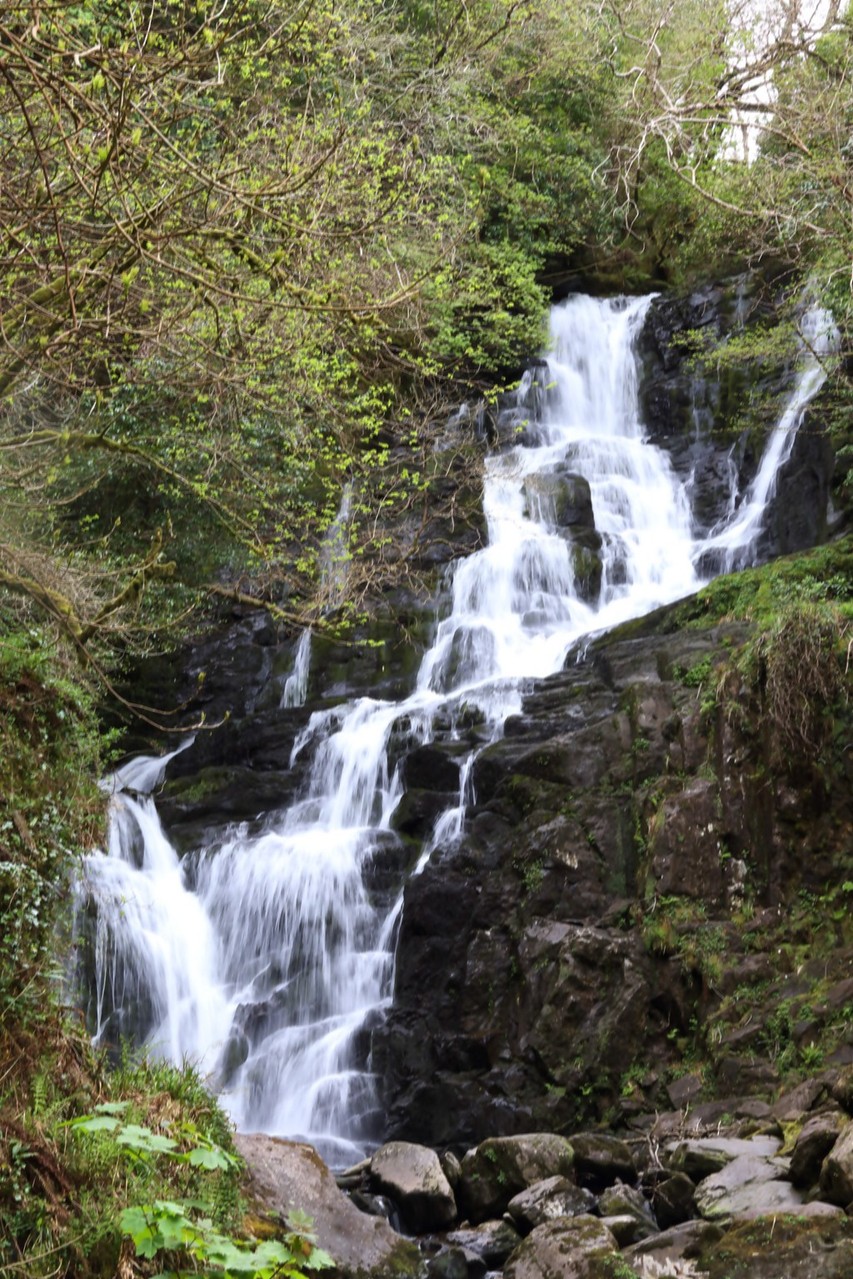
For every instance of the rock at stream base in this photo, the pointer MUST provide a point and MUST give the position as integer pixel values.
(566, 1248)
(500, 1167)
(492, 1241)
(814, 1142)
(601, 1159)
(836, 1175)
(288, 1175)
(412, 1176)
(553, 1197)
(748, 1186)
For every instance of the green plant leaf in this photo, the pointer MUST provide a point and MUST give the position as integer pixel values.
(210, 1157)
(95, 1123)
(135, 1137)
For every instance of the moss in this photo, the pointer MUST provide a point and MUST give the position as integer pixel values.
(773, 1246)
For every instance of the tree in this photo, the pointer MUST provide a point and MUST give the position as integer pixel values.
(749, 108)
(232, 237)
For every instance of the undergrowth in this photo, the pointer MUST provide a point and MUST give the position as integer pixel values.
(104, 1174)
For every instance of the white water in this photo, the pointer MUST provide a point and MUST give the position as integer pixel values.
(734, 538)
(262, 958)
(295, 688)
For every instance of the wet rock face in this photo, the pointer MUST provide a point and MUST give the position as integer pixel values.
(712, 421)
(524, 990)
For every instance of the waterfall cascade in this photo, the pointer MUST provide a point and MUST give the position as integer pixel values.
(263, 957)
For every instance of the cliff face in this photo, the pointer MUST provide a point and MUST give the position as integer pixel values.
(648, 901)
(645, 873)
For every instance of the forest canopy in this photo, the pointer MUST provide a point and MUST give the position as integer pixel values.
(248, 248)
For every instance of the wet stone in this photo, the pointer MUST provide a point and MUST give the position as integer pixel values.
(553, 1197)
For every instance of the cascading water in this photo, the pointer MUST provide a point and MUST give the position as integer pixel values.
(264, 957)
(732, 542)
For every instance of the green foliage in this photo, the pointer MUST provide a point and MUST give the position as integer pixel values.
(50, 808)
(186, 1226)
(154, 1164)
(291, 241)
(820, 576)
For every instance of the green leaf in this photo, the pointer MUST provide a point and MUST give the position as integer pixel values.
(135, 1222)
(136, 1137)
(95, 1123)
(210, 1157)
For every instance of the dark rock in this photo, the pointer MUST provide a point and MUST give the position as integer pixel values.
(626, 1201)
(690, 819)
(842, 1089)
(493, 1241)
(429, 768)
(601, 1159)
(553, 1197)
(567, 1248)
(559, 498)
(814, 1142)
(674, 1200)
(450, 1263)
(373, 1205)
(676, 1244)
(836, 1174)
(793, 1105)
(627, 1230)
(684, 1090)
(501, 1167)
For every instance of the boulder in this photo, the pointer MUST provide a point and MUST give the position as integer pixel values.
(798, 1101)
(560, 498)
(748, 1186)
(780, 1247)
(814, 1142)
(842, 1089)
(836, 1174)
(562, 1249)
(450, 1263)
(601, 1159)
(412, 1176)
(288, 1175)
(493, 1241)
(500, 1167)
(626, 1230)
(675, 1244)
(623, 1201)
(702, 1156)
(674, 1200)
(553, 1197)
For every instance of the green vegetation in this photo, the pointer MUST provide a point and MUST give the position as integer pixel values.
(251, 253)
(151, 1171)
(254, 252)
(267, 244)
(93, 1163)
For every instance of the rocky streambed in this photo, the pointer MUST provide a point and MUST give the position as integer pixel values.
(735, 1187)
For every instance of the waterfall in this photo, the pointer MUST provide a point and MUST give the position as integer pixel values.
(264, 956)
(732, 543)
(295, 688)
